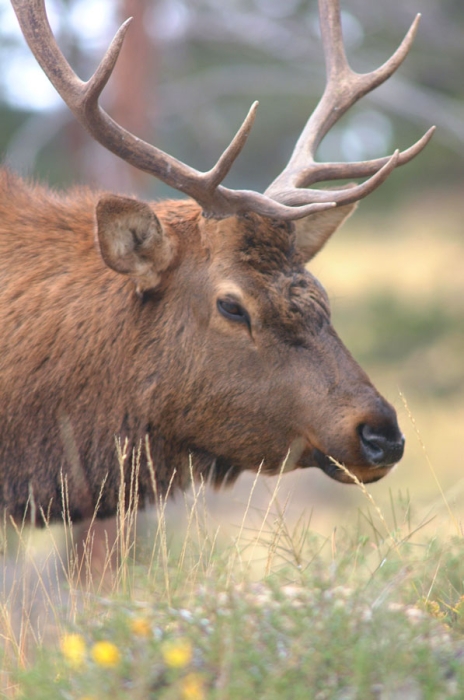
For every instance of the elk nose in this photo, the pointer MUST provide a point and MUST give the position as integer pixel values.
(381, 446)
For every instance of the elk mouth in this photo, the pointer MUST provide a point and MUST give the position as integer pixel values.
(365, 473)
(376, 448)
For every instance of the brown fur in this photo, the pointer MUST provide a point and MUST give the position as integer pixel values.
(92, 349)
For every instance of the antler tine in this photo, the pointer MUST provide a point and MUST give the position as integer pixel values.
(343, 88)
(336, 63)
(299, 197)
(364, 168)
(94, 87)
(217, 174)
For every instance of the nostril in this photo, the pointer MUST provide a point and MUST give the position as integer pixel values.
(381, 447)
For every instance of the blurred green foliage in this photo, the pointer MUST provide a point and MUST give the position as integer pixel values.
(398, 329)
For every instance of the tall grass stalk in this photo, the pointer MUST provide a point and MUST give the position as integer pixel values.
(430, 465)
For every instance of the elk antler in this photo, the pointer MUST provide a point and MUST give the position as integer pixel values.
(343, 88)
(284, 199)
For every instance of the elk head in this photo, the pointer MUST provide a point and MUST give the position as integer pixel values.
(271, 382)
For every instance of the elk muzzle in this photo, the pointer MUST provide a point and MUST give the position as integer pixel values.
(376, 444)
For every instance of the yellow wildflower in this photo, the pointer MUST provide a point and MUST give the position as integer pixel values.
(432, 607)
(192, 687)
(141, 627)
(106, 654)
(177, 653)
(73, 649)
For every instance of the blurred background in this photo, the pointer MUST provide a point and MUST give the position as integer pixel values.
(188, 72)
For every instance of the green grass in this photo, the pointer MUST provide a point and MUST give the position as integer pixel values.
(277, 611)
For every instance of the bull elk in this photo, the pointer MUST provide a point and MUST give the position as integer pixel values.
(191, 327)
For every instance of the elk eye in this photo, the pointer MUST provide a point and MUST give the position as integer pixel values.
(233, 311)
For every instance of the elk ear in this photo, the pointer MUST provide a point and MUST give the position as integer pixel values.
(313, 231)
(132, 240)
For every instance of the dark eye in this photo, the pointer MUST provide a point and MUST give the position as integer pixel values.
(233, 311)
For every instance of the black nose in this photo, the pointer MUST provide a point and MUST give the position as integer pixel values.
(381, 447)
